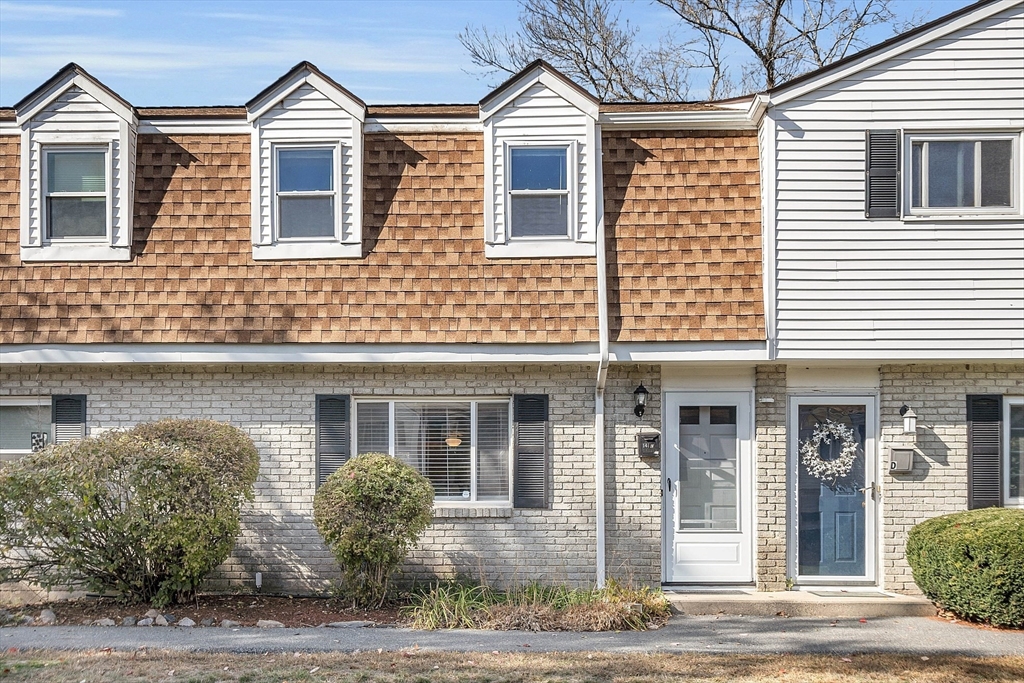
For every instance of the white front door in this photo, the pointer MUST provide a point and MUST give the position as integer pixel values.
(708, 488)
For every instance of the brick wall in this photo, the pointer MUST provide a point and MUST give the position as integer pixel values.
(938, 483)
(632, 485)
(275, 406)
(770, 425)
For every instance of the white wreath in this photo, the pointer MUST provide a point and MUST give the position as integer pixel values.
(829, 470)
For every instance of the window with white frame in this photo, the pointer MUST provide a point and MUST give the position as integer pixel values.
(24, 425)
(77, 200)
(1014, 450)
(462, 447)
(958, 174)
(306, 202)
(539, 198)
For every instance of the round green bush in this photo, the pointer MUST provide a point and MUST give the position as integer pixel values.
(972, 564)
(145, 518)
(370, 513)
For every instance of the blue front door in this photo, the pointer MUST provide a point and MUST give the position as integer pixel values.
(831, 500)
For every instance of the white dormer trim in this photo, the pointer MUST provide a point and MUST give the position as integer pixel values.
(340, 97)
(555, 83)
(564, 116)
(336, 125)
(103, 122)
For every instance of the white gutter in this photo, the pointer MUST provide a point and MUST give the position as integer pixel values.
(602, 367)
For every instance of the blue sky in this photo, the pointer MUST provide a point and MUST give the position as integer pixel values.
(169, 52)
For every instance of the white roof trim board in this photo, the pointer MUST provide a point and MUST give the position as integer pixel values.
(302, 76)
(75, 79)
(539, 74)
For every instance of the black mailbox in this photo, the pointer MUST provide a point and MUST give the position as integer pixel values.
(648, 444)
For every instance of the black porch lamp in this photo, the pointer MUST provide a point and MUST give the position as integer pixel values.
(640, 395)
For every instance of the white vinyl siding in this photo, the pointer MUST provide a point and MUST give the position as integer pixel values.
(76, 119)
(307, 117)
(917, 287)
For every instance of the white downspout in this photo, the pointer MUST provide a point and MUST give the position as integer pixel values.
(602, 368)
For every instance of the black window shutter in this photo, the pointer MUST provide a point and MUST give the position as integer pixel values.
(984, 451)
(882, 174)
(530, 476)
(68, 415)
(333, 441)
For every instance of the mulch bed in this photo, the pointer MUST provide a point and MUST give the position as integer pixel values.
(244, 609)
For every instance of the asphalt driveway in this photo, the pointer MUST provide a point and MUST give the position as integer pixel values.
(713, 634)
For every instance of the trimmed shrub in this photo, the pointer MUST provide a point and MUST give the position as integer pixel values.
(972, 564)
(145, 518)
(371, 512)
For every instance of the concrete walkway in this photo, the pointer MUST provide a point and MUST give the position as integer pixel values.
(824, 603)
(712, 634)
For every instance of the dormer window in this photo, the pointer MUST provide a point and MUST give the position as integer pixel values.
(77, 202)
(539, 196)
(78, 143)
(306, 193)
(542, 167)
(307, 168)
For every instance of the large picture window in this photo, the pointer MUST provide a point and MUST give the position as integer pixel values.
(24, 425)
(462, 447)
(76, 193)
(963, 174)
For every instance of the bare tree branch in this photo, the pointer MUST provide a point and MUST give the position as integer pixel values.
(767, 41)
(586, 40)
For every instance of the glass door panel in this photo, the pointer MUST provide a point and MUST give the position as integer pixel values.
(707, 468)
(831, 489)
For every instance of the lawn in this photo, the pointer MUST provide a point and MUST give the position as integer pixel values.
(425, 667)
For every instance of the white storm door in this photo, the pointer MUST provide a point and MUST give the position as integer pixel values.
(708, 494)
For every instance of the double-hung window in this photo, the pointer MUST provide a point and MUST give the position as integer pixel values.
(77, 198)
(306, 193)
(539, 199)
(462, 447)
(963, 174)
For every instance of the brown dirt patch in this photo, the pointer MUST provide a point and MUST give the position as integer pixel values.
(245, 609)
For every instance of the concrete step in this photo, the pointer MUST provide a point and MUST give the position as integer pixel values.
(857, 604)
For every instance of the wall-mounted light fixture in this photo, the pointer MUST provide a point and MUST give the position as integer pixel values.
(640, 395)
(909, 419)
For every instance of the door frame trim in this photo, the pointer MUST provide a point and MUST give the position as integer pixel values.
(872, 518)
(746, 495)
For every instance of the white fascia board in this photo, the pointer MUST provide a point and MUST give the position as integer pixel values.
(957, 355)
(90, 354)
(87, 85)
(194, 126)
(831, 76)
(424, 124)
(725, 119)
(667, 352)
(551, 82)
(344, 102)
(10, 128)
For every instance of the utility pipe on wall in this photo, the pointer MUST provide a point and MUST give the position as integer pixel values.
(602, 368)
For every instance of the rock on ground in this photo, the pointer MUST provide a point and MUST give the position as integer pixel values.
(145, 622)
(104, 622)
(47, 617)
(227, 623)
(186, 623)
(269, 623)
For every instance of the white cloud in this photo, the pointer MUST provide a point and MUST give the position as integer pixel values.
(24, 11)
(38, 56)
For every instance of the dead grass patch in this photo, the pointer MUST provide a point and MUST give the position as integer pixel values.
(417, 666)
